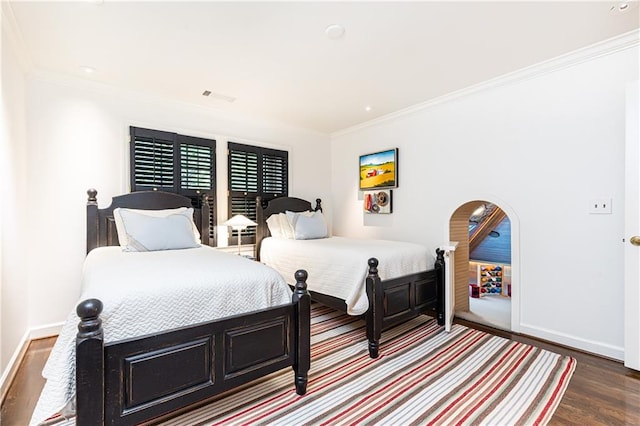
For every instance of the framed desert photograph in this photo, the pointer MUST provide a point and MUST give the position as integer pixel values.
(379, 170)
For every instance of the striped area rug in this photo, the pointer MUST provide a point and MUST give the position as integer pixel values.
(423, 376)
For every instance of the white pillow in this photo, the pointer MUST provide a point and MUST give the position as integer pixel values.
(122, 234)
(143, 232)
(287, 229)
(308, 225)
(275, 227)
(279, 226)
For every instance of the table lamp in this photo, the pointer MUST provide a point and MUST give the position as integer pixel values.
(239, 222)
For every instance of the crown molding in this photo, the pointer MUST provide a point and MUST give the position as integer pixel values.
(624, 41)
(12, 35)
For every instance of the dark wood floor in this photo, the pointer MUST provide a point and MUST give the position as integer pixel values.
(25, 389)
(601, 391)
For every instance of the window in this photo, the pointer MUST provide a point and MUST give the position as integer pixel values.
(254, 171)
(176, 163)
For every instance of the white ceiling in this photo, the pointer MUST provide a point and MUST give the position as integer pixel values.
(275, 59)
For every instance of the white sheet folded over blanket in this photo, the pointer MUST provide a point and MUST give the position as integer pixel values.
(150, 292)
(337, 266)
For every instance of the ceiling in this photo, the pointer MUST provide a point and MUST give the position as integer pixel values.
(273, 60)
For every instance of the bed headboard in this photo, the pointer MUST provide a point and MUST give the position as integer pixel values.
(264, 209)
(101, 228)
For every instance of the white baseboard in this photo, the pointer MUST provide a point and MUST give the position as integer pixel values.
(34, 333)
(45, 331)
(597, 348)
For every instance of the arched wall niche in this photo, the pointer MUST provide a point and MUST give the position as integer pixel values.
(459, 231)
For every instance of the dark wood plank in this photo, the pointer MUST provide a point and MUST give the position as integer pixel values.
(25, 389)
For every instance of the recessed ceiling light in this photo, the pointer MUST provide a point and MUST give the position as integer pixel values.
(87, 70)
(367, 108)
(334, 31)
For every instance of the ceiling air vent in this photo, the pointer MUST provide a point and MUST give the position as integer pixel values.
(219, 96)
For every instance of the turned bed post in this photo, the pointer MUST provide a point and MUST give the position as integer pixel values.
(205, 225)
(302, 361)
(440, 285)
(92, 219)
(375, 312)
(90, 364)
(262, 229)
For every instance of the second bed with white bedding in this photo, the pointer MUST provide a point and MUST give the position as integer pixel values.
(387, 282)
(337, 266)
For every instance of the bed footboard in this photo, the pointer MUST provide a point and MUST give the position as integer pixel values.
(136, 380)
(397, 300)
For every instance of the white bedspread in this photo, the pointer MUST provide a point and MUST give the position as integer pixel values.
(150, 292)
(337, 266)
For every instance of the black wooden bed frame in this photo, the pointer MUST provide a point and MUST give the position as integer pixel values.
(391, 301)
(157, 376)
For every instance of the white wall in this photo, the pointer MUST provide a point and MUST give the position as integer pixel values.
(78, 139)
(14, 260)
(544, 145)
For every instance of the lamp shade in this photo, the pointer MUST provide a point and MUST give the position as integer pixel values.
(239, 222)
